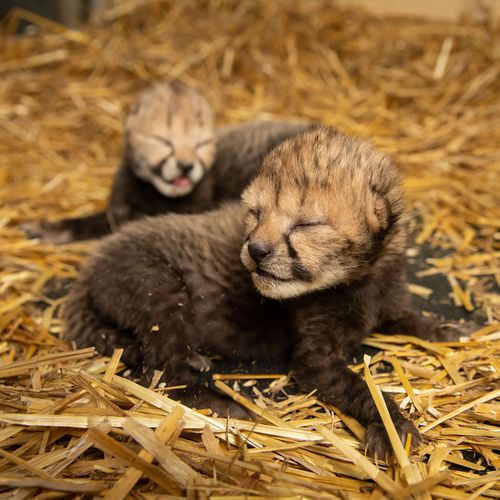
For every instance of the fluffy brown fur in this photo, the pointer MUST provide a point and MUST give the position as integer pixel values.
(322, 240)
(174, 160)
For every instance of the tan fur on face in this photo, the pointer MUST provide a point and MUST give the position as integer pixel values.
(171, 125)
(328, 207)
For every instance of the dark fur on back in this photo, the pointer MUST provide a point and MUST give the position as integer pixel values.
(167, 287)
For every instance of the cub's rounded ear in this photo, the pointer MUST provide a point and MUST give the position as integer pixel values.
(381, 209)
(377, 210)
(385, 198)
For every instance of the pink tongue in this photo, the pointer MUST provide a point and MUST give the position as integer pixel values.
(182, 182)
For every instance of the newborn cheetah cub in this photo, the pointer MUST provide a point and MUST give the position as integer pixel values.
(321, 239)
(174, 160)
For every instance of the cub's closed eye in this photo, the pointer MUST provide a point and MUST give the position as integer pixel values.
(206, 142)
(306, 224)
(164, 141)
(254, 212)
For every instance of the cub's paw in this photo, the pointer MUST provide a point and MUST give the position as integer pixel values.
(451, 332)
(48, 232)
(203, 397)
(377, 442)
(199, 362)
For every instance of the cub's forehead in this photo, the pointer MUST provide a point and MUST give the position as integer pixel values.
(286, 198)
(324, 158)
(169, 105)
(318, 155)
(321, 169)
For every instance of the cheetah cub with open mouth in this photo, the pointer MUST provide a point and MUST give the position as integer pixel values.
(309, 265)
(174, 160)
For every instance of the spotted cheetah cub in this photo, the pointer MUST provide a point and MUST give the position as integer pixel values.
(303, 271)
(174, 160)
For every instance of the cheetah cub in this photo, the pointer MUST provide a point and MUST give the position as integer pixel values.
(308, 266)
(174, 160)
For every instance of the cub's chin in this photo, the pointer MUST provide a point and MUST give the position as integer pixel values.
(275, 288)
(173, 189)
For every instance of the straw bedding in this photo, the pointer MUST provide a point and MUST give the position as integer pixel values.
(427, 92)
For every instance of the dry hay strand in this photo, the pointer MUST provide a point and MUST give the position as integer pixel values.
(73, 425)
(427, 92)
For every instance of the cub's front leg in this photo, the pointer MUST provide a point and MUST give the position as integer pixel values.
(68, 230)
(157, 306)
(86, 227)
(327, 328)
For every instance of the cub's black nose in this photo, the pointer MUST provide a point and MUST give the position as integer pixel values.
(258, 251)
(185, 167)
